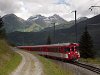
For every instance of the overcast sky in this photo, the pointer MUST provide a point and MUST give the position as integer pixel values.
(27, 8)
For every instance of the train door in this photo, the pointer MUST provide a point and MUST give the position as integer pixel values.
(66, 52)
(44, 51)
(62, 52)
(30, 48)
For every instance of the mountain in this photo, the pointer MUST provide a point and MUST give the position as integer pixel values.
(35, 23)
(57, 19)
(13, 23)
(65, 24)
(81, 19)
(38, 19)
(47, 21)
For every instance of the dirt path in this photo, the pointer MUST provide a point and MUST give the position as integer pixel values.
(30, 65)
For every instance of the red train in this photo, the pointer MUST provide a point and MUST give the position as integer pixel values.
(65, 51)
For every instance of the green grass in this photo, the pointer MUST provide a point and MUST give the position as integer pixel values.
(9, 60)
(51, 68)
(10, 65)
(89, 60)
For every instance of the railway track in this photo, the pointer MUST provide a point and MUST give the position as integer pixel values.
(89, 67)
(86, 66)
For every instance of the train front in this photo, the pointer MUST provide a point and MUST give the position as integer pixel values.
(73, 52)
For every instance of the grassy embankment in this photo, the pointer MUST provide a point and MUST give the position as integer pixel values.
(89, 60)
(51, 68)
(9, 60)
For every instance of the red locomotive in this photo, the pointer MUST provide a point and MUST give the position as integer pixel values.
(65, 51)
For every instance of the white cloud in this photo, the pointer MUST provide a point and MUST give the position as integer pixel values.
(27, 8)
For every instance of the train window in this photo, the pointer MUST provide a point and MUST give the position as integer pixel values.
(36, 49)
(72, 48)
(66, 49)
(53, 49)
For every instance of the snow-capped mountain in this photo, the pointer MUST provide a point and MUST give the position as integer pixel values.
(47, 21)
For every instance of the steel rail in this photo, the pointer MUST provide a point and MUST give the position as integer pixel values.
(89, 67)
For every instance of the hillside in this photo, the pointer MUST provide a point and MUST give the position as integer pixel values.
(9, 60)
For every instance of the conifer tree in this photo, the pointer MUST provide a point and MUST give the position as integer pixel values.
(1, 23)
(48, 40)
(86, 45)
(2, 30)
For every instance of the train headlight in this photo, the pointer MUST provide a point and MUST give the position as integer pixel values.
(68, 53)
(76, 52)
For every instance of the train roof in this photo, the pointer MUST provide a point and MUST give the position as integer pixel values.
(59, 44)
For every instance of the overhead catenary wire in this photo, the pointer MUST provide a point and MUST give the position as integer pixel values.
(93, 6)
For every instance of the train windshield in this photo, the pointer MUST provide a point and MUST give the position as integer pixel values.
(66, 49)
(72, 48)
(76, 48)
